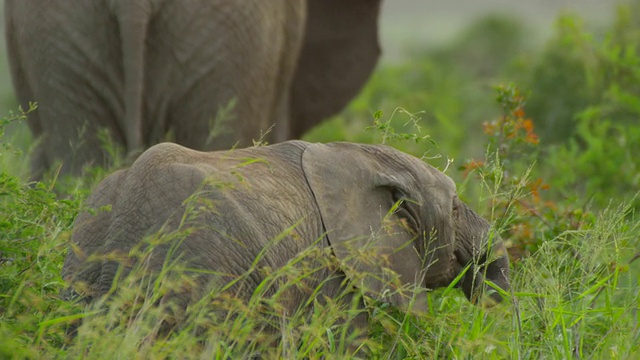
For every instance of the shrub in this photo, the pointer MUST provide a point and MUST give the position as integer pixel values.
(583, 74)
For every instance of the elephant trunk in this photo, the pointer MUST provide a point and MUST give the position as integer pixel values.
(473, 282)
(485, 256)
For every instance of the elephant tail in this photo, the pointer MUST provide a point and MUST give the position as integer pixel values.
(133, 17)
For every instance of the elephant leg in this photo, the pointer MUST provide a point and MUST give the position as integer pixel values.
(339, 53)
(23, 92)
(205, 58)
(290, 53)
(64, 65)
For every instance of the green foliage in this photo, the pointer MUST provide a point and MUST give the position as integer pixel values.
(442, 91)
(506, 173)
(580, 291)
(34, 224)
(136, 320)
(419, 92)
(603, 162)
(12, 130)
(581, 72)
(484, 50)
(388, 132)
(585, 100)
(559, 81)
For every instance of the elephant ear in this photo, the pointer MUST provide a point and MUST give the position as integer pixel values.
(339, 52)
(374, 244)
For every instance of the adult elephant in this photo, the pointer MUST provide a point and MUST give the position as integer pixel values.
(230, 215)
(143, 69)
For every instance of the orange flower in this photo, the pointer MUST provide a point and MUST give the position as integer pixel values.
(489, 128)
(532, 138)
(471, 165)
(536, 186)
(519, 112)
(522, 231)
(527, 124)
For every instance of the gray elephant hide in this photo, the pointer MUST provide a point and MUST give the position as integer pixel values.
(386, 221)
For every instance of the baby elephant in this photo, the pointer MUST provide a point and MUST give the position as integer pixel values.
(391, 225)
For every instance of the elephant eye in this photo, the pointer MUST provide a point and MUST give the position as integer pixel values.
(398, 195)
(403, 209)
(400, 198)
(455, 209)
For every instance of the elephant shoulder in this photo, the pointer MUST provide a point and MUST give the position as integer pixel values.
(170, 162)
(163, 154)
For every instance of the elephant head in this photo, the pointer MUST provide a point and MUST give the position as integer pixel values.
(384, 209)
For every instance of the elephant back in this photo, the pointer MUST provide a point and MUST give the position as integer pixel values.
(217, 210)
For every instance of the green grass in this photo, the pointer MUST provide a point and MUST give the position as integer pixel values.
(566, 205)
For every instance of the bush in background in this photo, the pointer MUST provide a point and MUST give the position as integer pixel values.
(582, 74)
(585, 95)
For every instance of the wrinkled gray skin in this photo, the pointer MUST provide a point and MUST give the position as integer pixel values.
(144, 68)
(337, 192)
